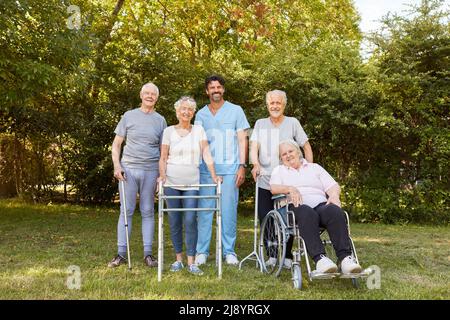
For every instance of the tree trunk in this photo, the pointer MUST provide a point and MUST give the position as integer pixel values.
(17, 166)
(7, 181)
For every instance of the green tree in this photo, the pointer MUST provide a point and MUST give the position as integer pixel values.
(39, 59)
(411, 75)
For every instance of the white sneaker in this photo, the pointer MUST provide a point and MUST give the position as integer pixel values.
(287, 263)
(271, 262)
(349, 265)
(200, 259)
(231, 259)
(325, 265)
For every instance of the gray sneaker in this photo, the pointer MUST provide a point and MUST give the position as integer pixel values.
(194, 269)
(176, 266)
(117, 261)
(150, 261)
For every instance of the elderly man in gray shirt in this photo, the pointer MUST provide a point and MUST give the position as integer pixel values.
(264, 155)
(142, 129)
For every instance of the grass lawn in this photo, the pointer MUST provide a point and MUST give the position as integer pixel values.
(39, 242)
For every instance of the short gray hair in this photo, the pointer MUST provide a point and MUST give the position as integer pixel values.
(150, 84)
(293, 144)
(190, 101)
(277, 92)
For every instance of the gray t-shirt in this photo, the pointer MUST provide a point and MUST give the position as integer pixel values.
(268, 138)
(143, 134)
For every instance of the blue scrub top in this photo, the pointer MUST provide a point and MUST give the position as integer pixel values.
(221, 131)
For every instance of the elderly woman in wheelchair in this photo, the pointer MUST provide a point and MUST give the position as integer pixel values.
(312, 206)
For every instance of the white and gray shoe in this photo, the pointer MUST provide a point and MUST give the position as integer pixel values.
(349, 265)
(194, 269)
(200, 259)
(176, 266)
(231, 259)
(325, 265)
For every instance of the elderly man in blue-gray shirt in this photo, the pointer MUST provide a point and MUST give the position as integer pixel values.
(142, 129)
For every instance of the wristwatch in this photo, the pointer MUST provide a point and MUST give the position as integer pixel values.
(243, 165)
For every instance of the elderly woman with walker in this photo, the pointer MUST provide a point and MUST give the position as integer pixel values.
(183, 147)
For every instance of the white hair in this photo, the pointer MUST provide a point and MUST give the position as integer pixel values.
(150, 84)
(280, 93)
(293, 144)
(190, 102)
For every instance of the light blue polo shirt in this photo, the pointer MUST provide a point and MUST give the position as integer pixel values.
(221, 131)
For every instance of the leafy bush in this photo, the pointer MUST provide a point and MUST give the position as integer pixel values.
(418, 205)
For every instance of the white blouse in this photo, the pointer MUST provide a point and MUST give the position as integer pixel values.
(184, 156)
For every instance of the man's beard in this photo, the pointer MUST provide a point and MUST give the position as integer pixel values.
(216, 97)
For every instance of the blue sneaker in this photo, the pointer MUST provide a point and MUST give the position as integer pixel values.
(176, 266)
(194, 269)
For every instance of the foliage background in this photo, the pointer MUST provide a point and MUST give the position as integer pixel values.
(379, 125)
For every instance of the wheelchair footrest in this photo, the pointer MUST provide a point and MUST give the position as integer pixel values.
(363, 274)
(318, 275)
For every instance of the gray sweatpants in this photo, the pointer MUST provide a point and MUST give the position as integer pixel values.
(144, 183)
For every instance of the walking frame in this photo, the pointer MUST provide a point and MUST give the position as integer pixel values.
(217, 209)
(254, 254)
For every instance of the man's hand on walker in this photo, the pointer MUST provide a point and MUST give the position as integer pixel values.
(119, 174)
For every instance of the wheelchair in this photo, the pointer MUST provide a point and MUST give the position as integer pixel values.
(276, 229)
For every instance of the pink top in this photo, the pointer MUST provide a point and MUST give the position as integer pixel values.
(311, 180)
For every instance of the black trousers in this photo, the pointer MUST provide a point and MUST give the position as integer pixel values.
(265, 204)
(330, 217)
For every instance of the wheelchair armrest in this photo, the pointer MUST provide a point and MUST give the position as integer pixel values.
(279, 200)
(278, 196)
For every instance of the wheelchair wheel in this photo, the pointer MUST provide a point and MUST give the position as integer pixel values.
(296, 276)
(272, 246)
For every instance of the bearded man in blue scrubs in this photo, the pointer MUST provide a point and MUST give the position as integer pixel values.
(226, 129)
